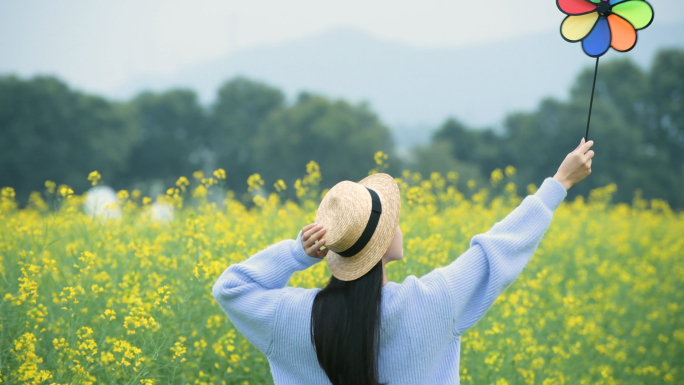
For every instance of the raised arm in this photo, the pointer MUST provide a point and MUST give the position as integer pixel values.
(249, 291)
(496, 258)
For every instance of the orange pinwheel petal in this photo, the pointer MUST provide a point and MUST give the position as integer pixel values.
(623, 35)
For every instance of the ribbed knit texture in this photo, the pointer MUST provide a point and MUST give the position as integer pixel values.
(422, 319)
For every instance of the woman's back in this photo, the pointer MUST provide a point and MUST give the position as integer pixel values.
(421, 319)
(416, 338)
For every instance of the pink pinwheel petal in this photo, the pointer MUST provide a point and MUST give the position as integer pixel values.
(575, 7)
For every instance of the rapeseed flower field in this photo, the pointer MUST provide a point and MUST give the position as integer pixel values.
(128, 300)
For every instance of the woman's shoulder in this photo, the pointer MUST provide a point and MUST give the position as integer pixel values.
(413, 299)
(426, 291)
(430, 284)
(296, 299)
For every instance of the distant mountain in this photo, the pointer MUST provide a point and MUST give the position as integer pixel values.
(413, 88)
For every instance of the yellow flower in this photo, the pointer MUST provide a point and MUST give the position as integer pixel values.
(471, 183)
(100, 291)
(254, 182)
(50, 186)
(379, 157)
(220, 173)
(65, 190)
(200, 191)
(510, 170)
(496, 176)
(280, 185)
(94, 177)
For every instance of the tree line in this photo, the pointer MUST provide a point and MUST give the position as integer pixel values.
(637, 125)
(49, 131)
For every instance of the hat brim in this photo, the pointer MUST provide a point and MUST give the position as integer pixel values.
(351, 268)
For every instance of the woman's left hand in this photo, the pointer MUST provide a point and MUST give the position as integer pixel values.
(310, 234)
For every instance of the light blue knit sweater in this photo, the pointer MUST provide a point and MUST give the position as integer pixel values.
(422, 319)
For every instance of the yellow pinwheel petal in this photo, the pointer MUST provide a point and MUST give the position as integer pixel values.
(575, 28)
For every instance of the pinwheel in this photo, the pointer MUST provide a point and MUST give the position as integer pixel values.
(601, 24)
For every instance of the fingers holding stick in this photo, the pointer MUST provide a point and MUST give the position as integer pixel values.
(584, 148)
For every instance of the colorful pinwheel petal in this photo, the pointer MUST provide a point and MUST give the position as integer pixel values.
(623, 35)
(598, 41)
(601, 24)
(575, 7)
(576, 28)
(638, 12)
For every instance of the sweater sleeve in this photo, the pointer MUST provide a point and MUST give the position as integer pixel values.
(496, 258)
(249, 291)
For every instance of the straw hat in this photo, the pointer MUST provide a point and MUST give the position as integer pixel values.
(360, 221)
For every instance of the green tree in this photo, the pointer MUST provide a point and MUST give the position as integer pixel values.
(240, 107)
(171, 131)
(667, 97)
(481, 148)
(342, 138)
(621, 82)
(650, 163)
(437, 157)
(637, 124)
(534, 140)
(48, 131)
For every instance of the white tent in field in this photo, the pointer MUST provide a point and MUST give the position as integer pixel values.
(161, 212)
(102, 202)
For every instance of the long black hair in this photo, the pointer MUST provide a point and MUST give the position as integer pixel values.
(345, 327)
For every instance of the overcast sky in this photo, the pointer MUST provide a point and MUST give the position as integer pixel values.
(97, 45)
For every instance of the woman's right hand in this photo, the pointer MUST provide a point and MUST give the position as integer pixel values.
(576, 166)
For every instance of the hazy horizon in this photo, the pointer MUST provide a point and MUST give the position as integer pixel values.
(116, 49)
(99, 46)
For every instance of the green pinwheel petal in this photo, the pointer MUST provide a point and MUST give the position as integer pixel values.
(638, 12)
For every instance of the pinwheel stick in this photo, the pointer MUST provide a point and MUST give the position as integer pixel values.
(586, 136)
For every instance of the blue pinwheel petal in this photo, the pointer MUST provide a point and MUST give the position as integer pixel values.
(598, 40)
(613, 2)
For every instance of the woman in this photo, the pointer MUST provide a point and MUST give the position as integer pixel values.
(362, 329)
